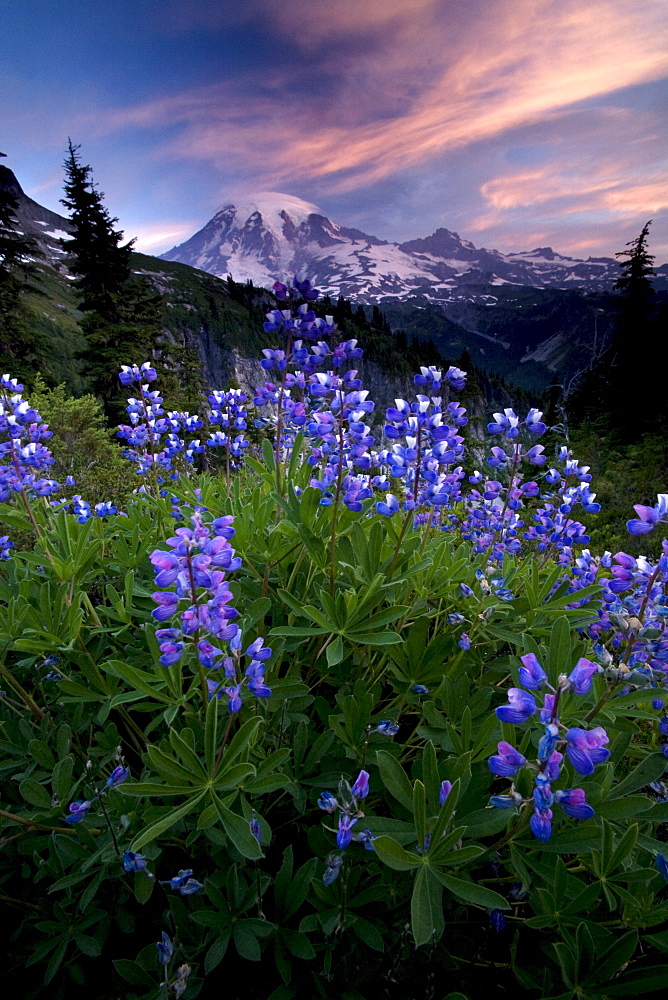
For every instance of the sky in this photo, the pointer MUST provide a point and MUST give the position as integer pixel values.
(516, 123)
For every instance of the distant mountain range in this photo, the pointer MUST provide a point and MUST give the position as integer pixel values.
(535, 318)
(269, 236)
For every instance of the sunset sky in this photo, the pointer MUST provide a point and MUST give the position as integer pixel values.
(517, 123)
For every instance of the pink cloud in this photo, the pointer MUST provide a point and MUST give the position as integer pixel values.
(541, 56)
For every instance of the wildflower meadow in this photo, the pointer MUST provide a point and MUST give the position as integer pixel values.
(337, 703)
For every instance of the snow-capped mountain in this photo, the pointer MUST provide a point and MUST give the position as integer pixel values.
(271, 236)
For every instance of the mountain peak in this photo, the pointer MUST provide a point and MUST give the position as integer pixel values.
(272, 206)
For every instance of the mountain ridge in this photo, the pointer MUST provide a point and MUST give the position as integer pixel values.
(269, 235)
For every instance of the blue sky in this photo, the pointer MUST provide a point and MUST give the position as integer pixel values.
(517, 123)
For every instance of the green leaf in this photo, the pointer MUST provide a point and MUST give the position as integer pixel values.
(426, 908)
(35, 794)
(237, 829)
(241, 739)
(143, 887)
(154, 830)
(42, 753)
(132, 973)
(649, 770)
(394, 856)
(395, 778)
(420, 812)
(376, 638)
(470, 892)
(335, 652)
(560, 648)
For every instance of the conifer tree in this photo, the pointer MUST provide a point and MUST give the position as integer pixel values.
(96, 254)
(122, 313)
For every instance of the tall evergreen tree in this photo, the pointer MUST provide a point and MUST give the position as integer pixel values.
(97, 256)
(122, 313)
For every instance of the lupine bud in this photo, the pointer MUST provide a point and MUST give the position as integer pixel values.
(360, 789)
(446, 788)
(548, 743)
(165, 949)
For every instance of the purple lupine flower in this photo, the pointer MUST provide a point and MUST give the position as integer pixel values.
(548, 743)
(522, 706)
(345, 833)
(541, 824)
(255, 828)
(464, 642)
(446, 788)
(507, 762)
(531, 674)
(165, 949)
(547, 709)
(360, 789)
(327, 802)
(134, 862)
(581, 675)
(78, 810)
(572, 801)
(585, 749)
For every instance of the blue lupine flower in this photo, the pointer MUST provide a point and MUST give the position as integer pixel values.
(663, 725)
(165, 949)
(327, 802)
(334, 863)
(365, 837)
(507, 762)
(183, 883)
(657, 704)
(522, 706)
(531, 673)
(134, 862)
(541, 824)
(387, 728)
(543, 796)
(497, 919)
(389, 508)
(421, 689)
(78, 810)
(585, 749)
(117, 777)
(662, 865)
(180, 984)
(345, 833)
(446, 788)
(464, 642)
(548, 743)
(360, 789)
(506, 801)
(255, 828)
